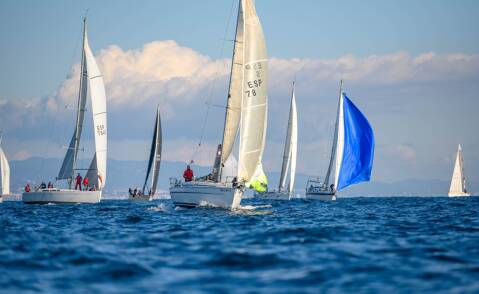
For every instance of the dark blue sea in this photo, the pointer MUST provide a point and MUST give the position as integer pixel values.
(353, 245)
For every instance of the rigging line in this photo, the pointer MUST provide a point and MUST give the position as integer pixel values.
(210, 94)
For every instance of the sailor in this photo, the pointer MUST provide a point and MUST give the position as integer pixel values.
(50, 185)
(234, 182)
(188, 174)
(27, 188)
(78, 182)
(85, 184)
(332, 187)
(130, 192)
(135, 192)
(43, 185)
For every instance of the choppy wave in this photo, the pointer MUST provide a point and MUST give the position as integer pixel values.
(398, 245)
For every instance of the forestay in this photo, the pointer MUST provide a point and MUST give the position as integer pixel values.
(254, 93)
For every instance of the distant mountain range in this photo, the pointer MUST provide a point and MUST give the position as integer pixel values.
(124, 174)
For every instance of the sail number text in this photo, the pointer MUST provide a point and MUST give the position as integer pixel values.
(101, 130)
(253, 87)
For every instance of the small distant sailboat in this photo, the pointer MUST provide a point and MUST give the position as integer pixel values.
(289, 158)
(458, 181)
(5, 173)
(153, 165)
(96, 173)
(352, 152)
(247, 103)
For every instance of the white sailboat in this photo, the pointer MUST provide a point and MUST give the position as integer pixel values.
(458, 181)
(153, 165)
(352, 152)
(247, 102)
(96, 174)
(4, 173)
(285, 189)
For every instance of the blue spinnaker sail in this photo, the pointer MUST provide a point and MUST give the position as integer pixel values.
(358, 153)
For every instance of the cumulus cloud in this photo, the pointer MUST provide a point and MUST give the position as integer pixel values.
(181, 79)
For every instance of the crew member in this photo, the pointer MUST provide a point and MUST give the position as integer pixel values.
(85, 184)
(188, 174)
(27, 188)
(78, 182)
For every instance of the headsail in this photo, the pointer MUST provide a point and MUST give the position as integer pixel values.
(458, 181)
(255, 96)
(233, 109)
(290, 146)
(98, 103)
(356, 139)
(5, 173)
(155, 157)
(68, 165)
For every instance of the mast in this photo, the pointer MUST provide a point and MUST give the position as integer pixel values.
(335, 139)
(79, 120)
(217, 170)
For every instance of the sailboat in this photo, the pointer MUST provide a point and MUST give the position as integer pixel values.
(153, 165)
(96, 173)
(458, 181)
(246, 110)
(4, 173)
(289, 158)
(352, 152)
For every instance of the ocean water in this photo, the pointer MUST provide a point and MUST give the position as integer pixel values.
(355, 245)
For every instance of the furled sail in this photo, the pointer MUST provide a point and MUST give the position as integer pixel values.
(458, 181)
(233, 109)
(98, 103)
(290, 146)
(255, 96)
(155, 157)
(355, 146)
(68, 165)
(5, 173)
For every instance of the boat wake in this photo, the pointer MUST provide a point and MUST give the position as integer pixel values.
(162, 207)
(253, 210)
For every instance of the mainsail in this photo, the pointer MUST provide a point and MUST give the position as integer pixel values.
(155, 157)
(254, 104)
(290, 146)
(355, 146)
(5, 173)
(458, 181)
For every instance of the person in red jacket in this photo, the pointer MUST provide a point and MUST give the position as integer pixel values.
(85, 184)
(78, 182)
(27, 188)
(188, 174)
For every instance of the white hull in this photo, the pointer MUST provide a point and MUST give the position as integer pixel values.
(61, 196)
(140, 198)
(273, 196)
(193, 194)
(459, 194)
(321, 196)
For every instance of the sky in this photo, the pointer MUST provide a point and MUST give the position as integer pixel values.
(412, 67)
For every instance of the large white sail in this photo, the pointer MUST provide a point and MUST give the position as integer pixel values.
(5, 173)
(254, 103)
(458, 181)
(339, 139)
(155, 157)
(233, 110)
(290, 146)
(98, 103)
